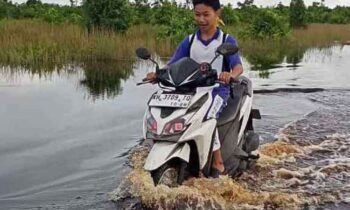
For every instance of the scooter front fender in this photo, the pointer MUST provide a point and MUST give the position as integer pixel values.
(162, 152)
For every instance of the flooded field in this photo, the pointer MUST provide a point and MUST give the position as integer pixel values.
(65, 138)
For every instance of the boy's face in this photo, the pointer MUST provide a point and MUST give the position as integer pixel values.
(205, 16)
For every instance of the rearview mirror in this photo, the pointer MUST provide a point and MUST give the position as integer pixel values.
(227, 49)
(143, 53)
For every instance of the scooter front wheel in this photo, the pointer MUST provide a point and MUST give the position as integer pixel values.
(169, 174)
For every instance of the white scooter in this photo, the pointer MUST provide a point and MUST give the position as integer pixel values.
(181, 121)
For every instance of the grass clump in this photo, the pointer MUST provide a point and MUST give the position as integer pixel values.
(31, 42)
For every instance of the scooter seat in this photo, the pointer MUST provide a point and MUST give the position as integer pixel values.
(233, 104)
(247, 85)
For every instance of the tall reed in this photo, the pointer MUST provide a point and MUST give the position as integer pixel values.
(28, 42)
(265, 53)
(35, 43)
(313, 36)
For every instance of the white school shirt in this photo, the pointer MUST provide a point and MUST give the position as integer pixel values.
(202, 53)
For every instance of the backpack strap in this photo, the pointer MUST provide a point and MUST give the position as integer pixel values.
(224, 37)
(190, 44)
(224, 59)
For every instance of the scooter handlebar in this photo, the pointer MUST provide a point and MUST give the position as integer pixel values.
(144, 81)
(232, 80)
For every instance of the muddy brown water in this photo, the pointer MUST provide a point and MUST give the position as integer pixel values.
(65, 137)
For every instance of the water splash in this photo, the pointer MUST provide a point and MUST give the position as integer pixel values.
(282, 178)
(308, 166)
(196, 193)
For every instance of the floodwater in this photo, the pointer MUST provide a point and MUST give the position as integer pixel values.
(65, 137)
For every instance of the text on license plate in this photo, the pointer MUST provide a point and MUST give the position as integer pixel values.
(170, 100)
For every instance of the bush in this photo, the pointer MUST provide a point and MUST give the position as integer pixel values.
(108, 14)
(297, 14)
(52, 16)
(229, 16)
(164, 13)
(337, 19)
(267, 24)
(175, 22)
(142, 12)
(3, 9)
(33, 2)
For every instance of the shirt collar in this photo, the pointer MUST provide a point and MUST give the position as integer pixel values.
(207, 42)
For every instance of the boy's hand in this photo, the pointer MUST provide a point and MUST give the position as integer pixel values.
(225, 77)
(151, 76)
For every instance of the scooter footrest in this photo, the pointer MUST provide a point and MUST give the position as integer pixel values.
(251, 157)
(254, 157)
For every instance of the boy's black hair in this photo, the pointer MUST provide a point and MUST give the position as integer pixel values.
(215, 4)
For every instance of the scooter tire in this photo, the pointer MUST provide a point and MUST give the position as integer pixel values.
(171, 175)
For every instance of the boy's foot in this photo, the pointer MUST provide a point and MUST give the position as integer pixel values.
(215, 173)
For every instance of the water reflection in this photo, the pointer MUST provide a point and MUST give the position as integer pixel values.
(273, 57)
(265, 61)
(12, 73)
(100, 79)
(295, 56)
(264, 74)
(104, 79)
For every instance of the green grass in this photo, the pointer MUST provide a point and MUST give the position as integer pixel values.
(263, 54)
(34, 43)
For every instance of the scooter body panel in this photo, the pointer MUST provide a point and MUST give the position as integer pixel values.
(162, 152)
(244, 116)
(201, 133)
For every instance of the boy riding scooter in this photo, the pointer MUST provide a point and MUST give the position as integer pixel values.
(201, 47)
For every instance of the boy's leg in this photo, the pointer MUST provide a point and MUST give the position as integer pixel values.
(218, 163)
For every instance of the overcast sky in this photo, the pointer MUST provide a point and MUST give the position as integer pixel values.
(329, 3)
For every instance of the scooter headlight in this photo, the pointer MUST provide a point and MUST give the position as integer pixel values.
(151, 124)
(174, 127)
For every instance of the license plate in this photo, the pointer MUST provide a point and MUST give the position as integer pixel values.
(170, 100)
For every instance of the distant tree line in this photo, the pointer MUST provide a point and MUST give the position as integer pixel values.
(174, 19)
(34, 9)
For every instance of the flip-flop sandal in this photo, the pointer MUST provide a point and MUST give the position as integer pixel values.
(215, 173)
